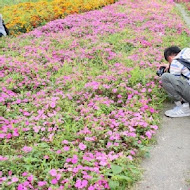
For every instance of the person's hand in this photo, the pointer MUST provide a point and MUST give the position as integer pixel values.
(166, 67)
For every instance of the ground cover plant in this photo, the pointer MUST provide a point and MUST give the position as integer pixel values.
(79, 99)
(23, 17)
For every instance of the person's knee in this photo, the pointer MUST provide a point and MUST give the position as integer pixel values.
(166, 77)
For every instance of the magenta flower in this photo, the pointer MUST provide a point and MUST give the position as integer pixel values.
(103, 163)
(65, 142)
(3, 158)
(66, 148)
(41, 183)
(91, 188)
(82, 146)
(54, 181)
(46, 157)
(154, 127)
(52, 104)
(24, 174)
(74, 159)
(130, 157)
(149, 134)
(30, 178)
(80, 184)
(27, 149)
(14, 179)
(53, 172)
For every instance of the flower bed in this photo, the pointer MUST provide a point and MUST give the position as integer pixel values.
(14, 2)
(24, 17)
(79, 98)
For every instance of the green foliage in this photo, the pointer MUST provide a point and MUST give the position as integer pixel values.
(139, 76)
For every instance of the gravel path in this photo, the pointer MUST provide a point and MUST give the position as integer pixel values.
(168, 167)
(186, 17)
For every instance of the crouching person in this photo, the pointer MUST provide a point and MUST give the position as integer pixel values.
(3, 29)
(176, 82)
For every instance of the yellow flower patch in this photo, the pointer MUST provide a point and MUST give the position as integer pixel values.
(24, 17)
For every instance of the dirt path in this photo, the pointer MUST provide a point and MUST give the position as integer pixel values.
(168, 167)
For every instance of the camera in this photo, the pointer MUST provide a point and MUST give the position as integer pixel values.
(161, 71)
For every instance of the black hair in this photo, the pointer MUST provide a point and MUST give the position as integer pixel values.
(173, 50)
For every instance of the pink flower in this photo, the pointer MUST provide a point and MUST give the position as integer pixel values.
(66, 148)
(152, 110)
(109, 144)
(52, 105)
(14, 179)
(58, 151)
(91, 188)
(84, 183)
(65, 142)
(78, 184)
(36, 129)
(42, 183)
(65, 181)
(58, 176)
(130, 157)
(46, 157)
(143, 90)
(53, 172)
(114, 90)
(27, 149)
(132, 152)
(89, 138)
(87, 177)
(54, 181)
(24, 174)
(103, 163)
(10, 173)
(81, 184)
(3, 158)
(82, 146)
(113, 157)
(2, 135)
(30, 178)
(74, 159)
(154, 127)
(148, 134)
(15, 133)
(25, 113)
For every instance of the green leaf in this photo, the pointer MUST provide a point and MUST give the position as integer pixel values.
(113, 184)
(123, 177)
(116, 169)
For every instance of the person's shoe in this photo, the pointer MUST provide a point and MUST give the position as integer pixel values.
(181, 110)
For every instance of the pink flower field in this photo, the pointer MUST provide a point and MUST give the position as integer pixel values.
(79, 97)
